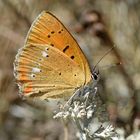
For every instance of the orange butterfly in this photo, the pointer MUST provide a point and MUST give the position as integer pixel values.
(51, 63)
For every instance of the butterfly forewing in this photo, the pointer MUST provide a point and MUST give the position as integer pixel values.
(51, 64)
(47, 29)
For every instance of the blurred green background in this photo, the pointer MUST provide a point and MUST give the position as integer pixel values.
(97, 26)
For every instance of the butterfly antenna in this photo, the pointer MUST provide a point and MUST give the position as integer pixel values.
(104, 56)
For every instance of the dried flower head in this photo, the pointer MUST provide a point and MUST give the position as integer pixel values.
(83, 107)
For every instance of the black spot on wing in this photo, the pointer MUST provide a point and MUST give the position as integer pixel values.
(52, 45)
(72, 57)
(52, 32)
(48, 36)
(59, 32)
(64, 50)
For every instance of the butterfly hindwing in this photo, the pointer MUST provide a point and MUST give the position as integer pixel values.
(38, 70)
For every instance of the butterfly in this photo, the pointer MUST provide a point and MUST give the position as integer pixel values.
(51, 63)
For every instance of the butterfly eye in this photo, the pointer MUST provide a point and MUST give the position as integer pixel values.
(95, 75)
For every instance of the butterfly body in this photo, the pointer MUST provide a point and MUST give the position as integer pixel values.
(51, 63)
